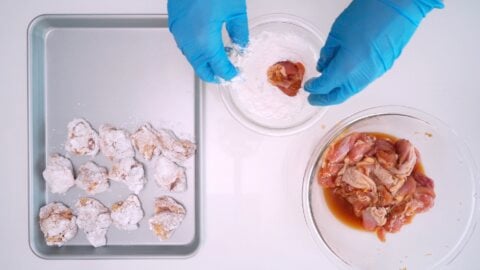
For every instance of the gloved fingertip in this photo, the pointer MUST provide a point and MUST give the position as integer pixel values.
(237, 28)
(309, 85)
(335, 97)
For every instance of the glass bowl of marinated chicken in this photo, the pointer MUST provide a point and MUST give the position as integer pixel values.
(391, 187)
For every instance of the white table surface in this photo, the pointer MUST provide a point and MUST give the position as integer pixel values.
(253, 214)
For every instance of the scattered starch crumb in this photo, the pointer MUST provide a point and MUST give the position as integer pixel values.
(146, 141)
(130, 172)
(173, 148)
(126, 214)
(169, 176)
(94, 219)
(57, 223)
(59, 174)
(92, 178)
(82, 138)
(169, 214)
(115, 143)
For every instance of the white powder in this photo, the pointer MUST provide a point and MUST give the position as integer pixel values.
(252, 88)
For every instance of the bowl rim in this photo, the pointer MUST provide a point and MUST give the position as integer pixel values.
(341, 128)
(244, 120)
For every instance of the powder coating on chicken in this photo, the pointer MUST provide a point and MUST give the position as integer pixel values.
(58, 174)
(92, 178)
(94, 219)
(57, 223)
(130, 172)
(115, 144)
(127, 214)
(169, 176)
(82, 138)
(169, 215)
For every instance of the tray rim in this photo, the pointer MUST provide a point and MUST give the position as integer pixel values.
(199, 156)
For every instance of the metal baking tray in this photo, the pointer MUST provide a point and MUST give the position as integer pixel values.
(119, 69)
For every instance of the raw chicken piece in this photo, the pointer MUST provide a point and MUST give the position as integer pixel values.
(175, 149)
(59, 174)
(169, 214)
(341, 149)
(407, 158)
(385, 153)
(115, 144)
(383, 176)
(362, 146)
(287, 76)
(408, 189)
(423, 180)
(146, 141)
(57, 223)
(358, 180)
(94, 219)
(130, 172)
(92, 178)
(127, 214)
(82, 138)
(385, 198)
(169, 176)
(326, 176)
(374, 217)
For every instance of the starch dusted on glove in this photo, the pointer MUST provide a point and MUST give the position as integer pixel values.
(363, 44)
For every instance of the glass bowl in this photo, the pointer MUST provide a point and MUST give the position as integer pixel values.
(433, 238)
(247, 111)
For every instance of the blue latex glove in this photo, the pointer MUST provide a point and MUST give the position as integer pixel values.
(363, 43)
(197, 28)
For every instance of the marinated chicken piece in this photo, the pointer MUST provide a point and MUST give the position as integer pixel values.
(383, 176)
(169, 176)
(92, 178)
(146, 141)
(94, 219)
(407, 158)
(407, 189)
(82, 138)
(130, 172)
(358, 180)
(374, 217)
(287, 76)
(385, 153)
(169, 215)
(340, 150)
(362, 146)
(115, 144)
(326, 176)
(59, 174)
(127, 214)
(175, 149)
(57, 223)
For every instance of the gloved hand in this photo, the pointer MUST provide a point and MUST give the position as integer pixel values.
(363, 43)
(197, 28)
